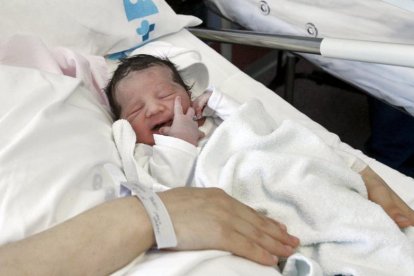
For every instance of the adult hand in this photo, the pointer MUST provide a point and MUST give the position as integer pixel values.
(380, 193)
(200, 103)
(208, 218)
(183, 127)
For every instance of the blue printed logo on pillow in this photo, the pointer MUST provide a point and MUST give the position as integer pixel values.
(137, 9)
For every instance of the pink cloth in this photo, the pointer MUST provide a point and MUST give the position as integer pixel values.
(31, 52)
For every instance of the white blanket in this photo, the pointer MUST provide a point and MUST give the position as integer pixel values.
(285, 170)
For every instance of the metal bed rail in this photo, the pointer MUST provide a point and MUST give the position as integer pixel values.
(366, 51)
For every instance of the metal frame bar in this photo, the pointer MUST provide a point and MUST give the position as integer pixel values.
(358, 50)
(284, 43)
(301, 44)
(281, 42)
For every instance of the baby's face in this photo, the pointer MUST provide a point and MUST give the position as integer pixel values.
(147, 98)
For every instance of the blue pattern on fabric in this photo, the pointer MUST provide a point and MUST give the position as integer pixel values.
(145, 29)
(136, 9)
(140, 9)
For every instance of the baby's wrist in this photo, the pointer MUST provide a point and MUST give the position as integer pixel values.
(176, 143)
(191, 141)
(183, 138)
(189, 136)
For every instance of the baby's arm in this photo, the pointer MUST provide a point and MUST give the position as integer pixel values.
(172, 162)
(169, 162)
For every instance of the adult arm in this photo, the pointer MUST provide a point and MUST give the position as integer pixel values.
(97, 242)
(378, 190)
(380, 193)
(109, 236)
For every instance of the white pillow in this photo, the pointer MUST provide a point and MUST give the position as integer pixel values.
(55, 139)
(98, 27)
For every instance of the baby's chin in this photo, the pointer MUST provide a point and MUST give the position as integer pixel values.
(148, 141)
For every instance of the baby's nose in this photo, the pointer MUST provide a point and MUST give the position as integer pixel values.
(154, 108)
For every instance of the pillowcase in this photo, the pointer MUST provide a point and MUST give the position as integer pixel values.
(97, 27)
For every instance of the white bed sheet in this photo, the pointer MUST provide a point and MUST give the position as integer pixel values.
(372, 20)
(230, 79)
(69, 119)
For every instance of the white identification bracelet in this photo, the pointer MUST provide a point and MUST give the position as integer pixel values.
(160, 219)
(125, 140)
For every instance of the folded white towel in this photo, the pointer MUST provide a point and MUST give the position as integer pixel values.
(287, 171)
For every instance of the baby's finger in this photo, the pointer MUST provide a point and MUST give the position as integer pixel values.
(195, 104)
(198, 108)
(190, 112)
(199, 112)
(165, 130)
(178, 109)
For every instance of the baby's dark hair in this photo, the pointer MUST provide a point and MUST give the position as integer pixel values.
(138, 63)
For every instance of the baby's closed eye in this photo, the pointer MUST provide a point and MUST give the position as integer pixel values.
(136, 110)
(166, 94)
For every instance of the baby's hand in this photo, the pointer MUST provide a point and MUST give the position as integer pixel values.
(183, 127)
(200, 103)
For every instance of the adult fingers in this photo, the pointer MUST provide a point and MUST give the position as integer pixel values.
(273, 228)
(406, 214)
(210, 219)
(401, 213)
(244, 247)
(402, 221)
(278, 231)
(260, 233)
(380, 193)
(273, 241)
(243, 238)
(198, 108)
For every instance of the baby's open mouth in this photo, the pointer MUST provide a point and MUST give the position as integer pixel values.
(157, 127)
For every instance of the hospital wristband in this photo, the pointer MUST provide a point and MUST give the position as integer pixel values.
(160, 219)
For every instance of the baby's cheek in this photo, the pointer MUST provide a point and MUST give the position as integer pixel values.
(185, 105)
